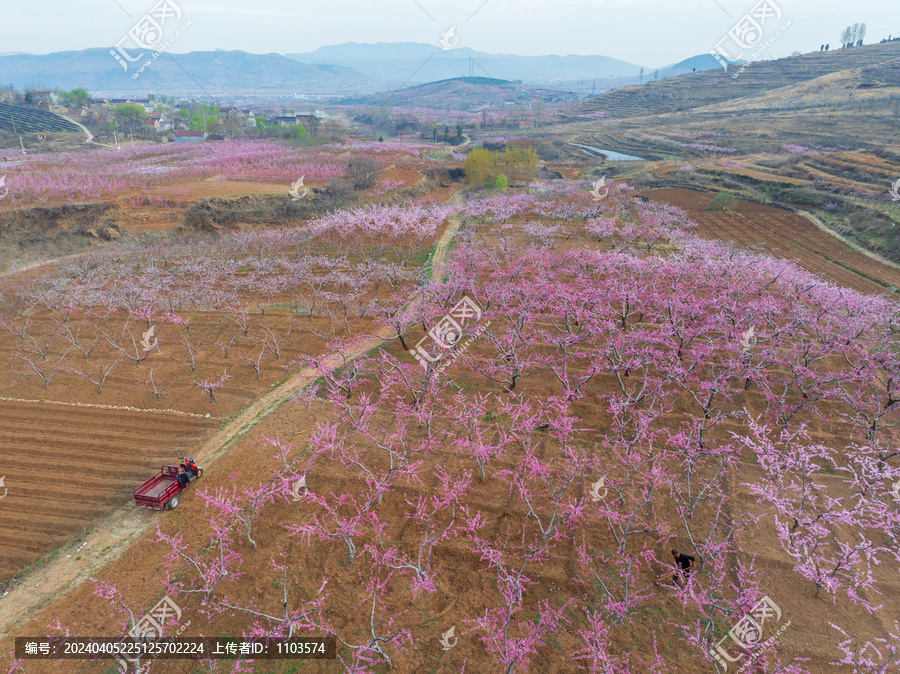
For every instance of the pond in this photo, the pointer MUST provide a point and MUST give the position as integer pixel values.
(609, 154)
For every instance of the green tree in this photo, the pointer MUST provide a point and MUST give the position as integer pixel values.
(520, 163)
(80, 97)
(481, 167)
(501, 183)
(129, 116)
(459, 133)
(301, 131)
(197, 122)
(723, 199)
(260, 123)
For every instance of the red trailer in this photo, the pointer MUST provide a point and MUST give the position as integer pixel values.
(161, 492)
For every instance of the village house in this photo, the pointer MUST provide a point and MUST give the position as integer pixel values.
(146, 103)
(44, 96)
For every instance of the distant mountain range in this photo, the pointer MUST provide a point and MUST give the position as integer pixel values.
(213, 73)
(350, 69)
(418, 63)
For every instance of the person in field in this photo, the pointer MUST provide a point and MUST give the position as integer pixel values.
(683, 565)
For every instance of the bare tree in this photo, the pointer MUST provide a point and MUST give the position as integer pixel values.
(40, 348)
(152, 387)
(845, 37)
(46, 373)
(257, 361)
(272, 343)
(86, 348)
(226, 348)
(140, 352)
(191, 361)
(334, 128)
(101, 378)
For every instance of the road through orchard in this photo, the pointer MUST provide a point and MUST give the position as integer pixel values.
(639, 387)
(117, 532)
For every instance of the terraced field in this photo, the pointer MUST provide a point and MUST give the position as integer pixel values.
(695, 90)
(786, 235)
(19, 119)
(66, 466)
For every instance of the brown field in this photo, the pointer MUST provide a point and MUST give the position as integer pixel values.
(68, 466)
(92, 441)
(760, 175)
(408, 177)
(464, 589)
(103, 454)
(785, 235)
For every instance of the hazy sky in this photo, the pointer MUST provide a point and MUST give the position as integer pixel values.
(646, 32)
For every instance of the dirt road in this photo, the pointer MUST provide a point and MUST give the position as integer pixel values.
(58, 573)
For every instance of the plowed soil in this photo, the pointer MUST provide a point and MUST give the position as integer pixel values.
(785, 235)
(67, 466)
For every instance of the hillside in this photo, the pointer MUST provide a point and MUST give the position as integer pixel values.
(856, 85)
(16, 118)
(462, 91)
(715, 87)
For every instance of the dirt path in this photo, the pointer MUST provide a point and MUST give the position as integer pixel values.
(41, 263)
(855, 246)
(60, 572)
(90, 136)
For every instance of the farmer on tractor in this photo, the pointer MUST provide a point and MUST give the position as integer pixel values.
(189, 472)
(190, 467)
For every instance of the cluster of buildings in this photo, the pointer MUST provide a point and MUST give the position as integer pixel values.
(165, 118)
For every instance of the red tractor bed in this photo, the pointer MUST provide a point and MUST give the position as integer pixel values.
(160, 492)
